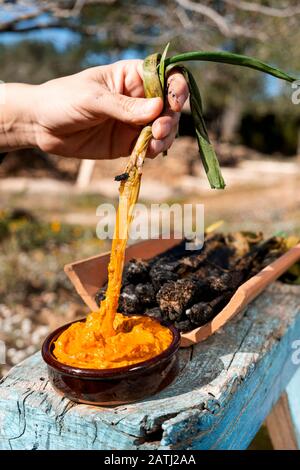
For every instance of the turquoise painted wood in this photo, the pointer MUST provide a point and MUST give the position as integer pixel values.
(293, 393)
(226, 387)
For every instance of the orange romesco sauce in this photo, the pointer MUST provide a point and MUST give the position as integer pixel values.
(108, 339)
(136, 339)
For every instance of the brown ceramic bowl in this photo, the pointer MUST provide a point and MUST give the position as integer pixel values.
(112, 386)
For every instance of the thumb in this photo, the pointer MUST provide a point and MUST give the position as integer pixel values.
(131, 110)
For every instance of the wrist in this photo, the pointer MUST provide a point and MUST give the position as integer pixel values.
(17, 123)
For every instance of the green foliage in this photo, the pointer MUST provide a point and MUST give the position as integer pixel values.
(4, 229)
(232, 59)
(32, 234)
(206, 150)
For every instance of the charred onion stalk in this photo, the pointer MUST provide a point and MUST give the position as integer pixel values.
(156, 69)
(189, 288)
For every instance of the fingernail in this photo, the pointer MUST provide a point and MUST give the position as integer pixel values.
(151, 104)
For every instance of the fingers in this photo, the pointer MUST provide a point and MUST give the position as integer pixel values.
(164, 131)
(178, 91)
(177, 95)
(158, 146)
(165, 124)
(165, 128)
(140, 111)
(130, 110)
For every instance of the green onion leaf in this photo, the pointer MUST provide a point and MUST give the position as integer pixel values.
(233, 59)
(156, 68)
(161, 69)
(206, 150)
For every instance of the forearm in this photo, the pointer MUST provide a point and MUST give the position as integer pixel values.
(17, 124)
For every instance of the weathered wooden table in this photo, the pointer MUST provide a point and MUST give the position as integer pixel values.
(226, 389)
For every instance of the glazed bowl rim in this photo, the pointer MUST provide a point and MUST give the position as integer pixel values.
(113, 373)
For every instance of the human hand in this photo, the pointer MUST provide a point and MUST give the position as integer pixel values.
(97, 113)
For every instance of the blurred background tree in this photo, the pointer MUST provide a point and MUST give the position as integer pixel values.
(52, 38)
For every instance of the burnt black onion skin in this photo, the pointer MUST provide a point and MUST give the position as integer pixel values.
(189, 288)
